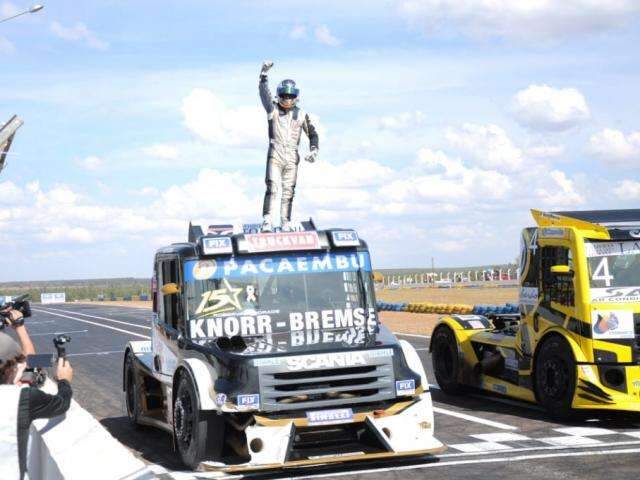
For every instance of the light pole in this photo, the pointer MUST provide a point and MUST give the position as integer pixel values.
(32, 9)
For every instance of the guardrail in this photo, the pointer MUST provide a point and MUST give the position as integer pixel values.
(447, 308)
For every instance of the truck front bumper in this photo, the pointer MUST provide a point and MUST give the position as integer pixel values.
(621, 392)
(404, 429)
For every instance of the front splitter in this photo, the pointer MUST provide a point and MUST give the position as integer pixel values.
(330, 460)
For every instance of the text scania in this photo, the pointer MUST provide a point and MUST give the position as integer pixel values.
(335, 360)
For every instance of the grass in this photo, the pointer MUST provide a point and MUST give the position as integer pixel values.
(469, 296)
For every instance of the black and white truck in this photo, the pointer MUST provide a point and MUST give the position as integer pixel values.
(267, 352)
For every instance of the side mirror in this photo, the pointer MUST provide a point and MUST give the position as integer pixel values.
(170, 289)
(561, 270)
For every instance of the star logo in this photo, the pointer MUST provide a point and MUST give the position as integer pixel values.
(220, 301)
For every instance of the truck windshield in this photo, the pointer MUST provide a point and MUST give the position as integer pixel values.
(257, 295)
(614, 270)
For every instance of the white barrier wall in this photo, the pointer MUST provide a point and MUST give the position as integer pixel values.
(75, 446)
(53, 297)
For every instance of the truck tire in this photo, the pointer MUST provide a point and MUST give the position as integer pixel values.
(555, 376)
(446, 363)
(131, 391)
(199, 434)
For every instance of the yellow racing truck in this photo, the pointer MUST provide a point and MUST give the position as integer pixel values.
(575, 344)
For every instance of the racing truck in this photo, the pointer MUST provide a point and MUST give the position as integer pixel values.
(575, 344)
(267, 352)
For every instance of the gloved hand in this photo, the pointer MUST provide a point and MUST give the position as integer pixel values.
(313, 156)
(266, 66)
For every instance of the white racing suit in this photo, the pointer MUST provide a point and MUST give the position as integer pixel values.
(285, 130)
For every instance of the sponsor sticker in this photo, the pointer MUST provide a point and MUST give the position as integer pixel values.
(242, 267)
(249, 401)
(221, 399)
(204, 269)
(606, 249)
(221, 300)
(499, 388)
(330, 417)
(405, 387)
(552, 232)
(528, 296)
(615, 295)
(345, 238)
(216, 245)
(282, 241)
(228, 319)
(612, 324)
(476, 324)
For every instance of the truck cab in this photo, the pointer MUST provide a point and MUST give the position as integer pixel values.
(267, 351)
(576, 342)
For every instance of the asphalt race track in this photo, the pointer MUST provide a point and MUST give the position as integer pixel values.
(488, 437)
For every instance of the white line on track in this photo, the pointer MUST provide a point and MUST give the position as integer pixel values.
(99, 318)
(93, 353)
(411, 335)
(503, 459)
(93, 323)
(57, 333)
(471, 418)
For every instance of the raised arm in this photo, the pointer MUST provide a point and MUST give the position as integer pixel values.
(310, 130)
(263, 87)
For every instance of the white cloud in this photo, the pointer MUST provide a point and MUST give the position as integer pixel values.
(545, 151)
(162, 151)
(489, 146)
(147, 191)
(536, 19)
(6, 47)
(402, 121)
(298, 32)
(78, 33)
(561, 193)
(628, 190)
(92, 163)
(211, 120)
(8, 9)
(10, 193)
(541, 107)
(613, 146)
(446, 183)
(212, 194)
(325, 37)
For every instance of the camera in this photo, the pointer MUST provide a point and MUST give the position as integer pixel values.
(36, 372)
(20, 304)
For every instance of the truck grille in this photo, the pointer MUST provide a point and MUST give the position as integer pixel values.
(309, 388)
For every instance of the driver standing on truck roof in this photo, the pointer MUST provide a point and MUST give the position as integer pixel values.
(286, 123)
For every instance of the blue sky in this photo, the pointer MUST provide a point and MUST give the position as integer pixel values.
(442, 122)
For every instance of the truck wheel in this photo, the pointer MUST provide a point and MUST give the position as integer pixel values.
(131, 391)
(199, 434)
(446, 364)
(555, 376)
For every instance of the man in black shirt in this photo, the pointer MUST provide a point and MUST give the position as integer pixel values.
(22, 404)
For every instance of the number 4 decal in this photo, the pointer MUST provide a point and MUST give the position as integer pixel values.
(602, 272)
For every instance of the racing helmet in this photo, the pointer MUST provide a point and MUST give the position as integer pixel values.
(287, 93)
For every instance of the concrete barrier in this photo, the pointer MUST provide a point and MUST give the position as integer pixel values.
(76, 446)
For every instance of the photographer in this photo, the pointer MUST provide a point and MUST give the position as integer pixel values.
(21, 404)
